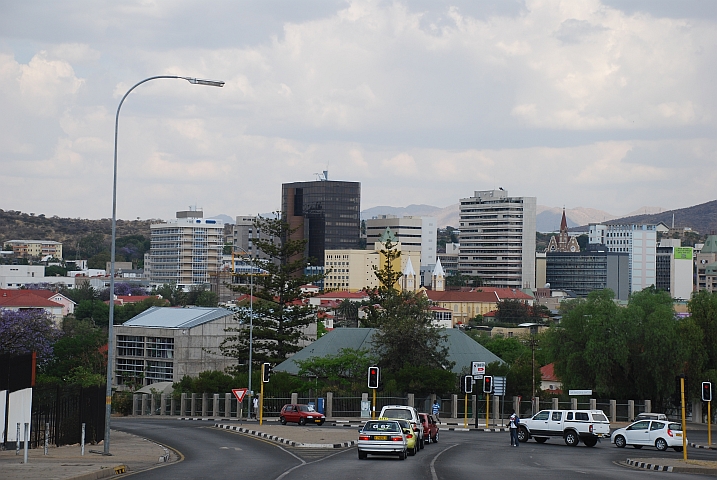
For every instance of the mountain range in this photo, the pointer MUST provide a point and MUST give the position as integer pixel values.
(547, 218)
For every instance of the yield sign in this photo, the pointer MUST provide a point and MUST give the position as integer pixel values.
(239, 393)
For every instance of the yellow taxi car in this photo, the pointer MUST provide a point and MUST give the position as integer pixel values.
(411, 439)
(382, 437)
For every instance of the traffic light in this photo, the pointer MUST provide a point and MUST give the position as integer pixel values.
(265, 372)
(487, 384)
(467, 384)
(706, 391)
(373, 374)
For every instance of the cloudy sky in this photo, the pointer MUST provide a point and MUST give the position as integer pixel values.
(603, 104)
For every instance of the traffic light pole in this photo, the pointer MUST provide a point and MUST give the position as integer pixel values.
(373, 407)
(684, 426)
(487, 410)
(261, 402)
(709, 423)
(465, 412)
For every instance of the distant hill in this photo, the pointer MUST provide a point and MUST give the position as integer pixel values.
(16, 225)
(547, 218)
(701, 218)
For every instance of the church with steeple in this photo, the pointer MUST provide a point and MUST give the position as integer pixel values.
(563, 242)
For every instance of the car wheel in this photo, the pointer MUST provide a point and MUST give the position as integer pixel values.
(402, 455)
(620, 441)
(541, 439)
(571, 438)
(282, 420)
(413, 451)
(362, 455)
(677, 449)
(590, 442)
(638, 447)
(523, 434)
(302, 421)
(661, 444)
(435, 439)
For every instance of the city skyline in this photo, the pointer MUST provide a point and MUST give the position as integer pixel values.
(597, 104)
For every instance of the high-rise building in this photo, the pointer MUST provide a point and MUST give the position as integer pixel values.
(497, 238)
(245, 233)
(706, 265)
(638, 241)
(416, 234)
(674, 268)
(326, 213)
(185, 250)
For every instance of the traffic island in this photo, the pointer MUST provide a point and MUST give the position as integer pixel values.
(300, 436)
(702, 467)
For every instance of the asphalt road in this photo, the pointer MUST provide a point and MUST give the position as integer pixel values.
(214, 453)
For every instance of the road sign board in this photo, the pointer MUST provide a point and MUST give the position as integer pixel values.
(478, 369)
(499, 384)
(239, 393)
(580, 392)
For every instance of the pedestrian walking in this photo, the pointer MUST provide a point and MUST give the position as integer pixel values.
(435, 409)
(256, 405)
(514, 423)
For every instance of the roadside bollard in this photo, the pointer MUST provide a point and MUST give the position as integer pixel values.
(27, 440)
(17, 441)
(82, 441)
(47, 434)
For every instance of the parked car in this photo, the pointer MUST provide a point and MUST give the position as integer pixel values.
(661, 434)
(404, 412)
(382, 437)
(301, 414)
(430, 427)
(573, 426)
(651, 416)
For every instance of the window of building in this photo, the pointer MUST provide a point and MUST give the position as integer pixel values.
(159, 371)
(160, 347)
(129, 371)
(130, 346)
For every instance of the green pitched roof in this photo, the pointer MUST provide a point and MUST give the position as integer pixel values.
(710, 244)
(462, 349)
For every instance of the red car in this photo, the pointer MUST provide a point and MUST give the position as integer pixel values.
(430, 427)
(301, 414)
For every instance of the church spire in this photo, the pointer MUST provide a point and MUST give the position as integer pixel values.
(564, 223)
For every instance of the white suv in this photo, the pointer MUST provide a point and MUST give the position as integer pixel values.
(403, 412)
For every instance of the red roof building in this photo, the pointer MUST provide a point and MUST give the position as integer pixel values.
(549, 382)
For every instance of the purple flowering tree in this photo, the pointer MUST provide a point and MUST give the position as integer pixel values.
(27, 331)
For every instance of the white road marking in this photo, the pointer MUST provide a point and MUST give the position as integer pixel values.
(433, 462)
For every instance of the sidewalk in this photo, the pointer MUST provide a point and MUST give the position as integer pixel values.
(129, 453)
(701, 467)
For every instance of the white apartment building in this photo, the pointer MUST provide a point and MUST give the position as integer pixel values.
(185, 250)
(416, 234)
(674, 268)
(18, 276)
(638, 241)
(497, 238)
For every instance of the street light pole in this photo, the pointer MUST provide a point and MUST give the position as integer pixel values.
(110, 342)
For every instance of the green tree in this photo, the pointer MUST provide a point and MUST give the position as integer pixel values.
(55, 270)
(347, 313)
(280, 315)
(406, 334)
(172, 293)
(78, 354)
(92, 244)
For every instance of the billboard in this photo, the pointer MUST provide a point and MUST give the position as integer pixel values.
(683, 253)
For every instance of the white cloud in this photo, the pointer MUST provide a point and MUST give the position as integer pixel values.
(573, 102)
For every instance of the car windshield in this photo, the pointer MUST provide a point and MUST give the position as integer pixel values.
(404, 424)
(381, 427)
(397, 413)
(305, 408)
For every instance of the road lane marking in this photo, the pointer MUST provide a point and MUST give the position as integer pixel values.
(433, 462)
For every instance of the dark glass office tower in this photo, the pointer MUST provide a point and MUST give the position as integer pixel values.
(326, 213)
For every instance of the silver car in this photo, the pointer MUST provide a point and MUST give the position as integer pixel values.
(382, 437)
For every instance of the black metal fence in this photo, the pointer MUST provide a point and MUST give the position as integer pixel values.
(65, 409)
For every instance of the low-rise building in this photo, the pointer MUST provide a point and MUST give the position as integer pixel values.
(35, 248)
(53, 303)
(164, 344)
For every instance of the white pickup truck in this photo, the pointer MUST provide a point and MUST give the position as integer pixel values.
(573, 426)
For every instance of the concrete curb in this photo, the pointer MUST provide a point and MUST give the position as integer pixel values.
(708, 447)
(103, 473)
(285, 441)
(649, 466)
